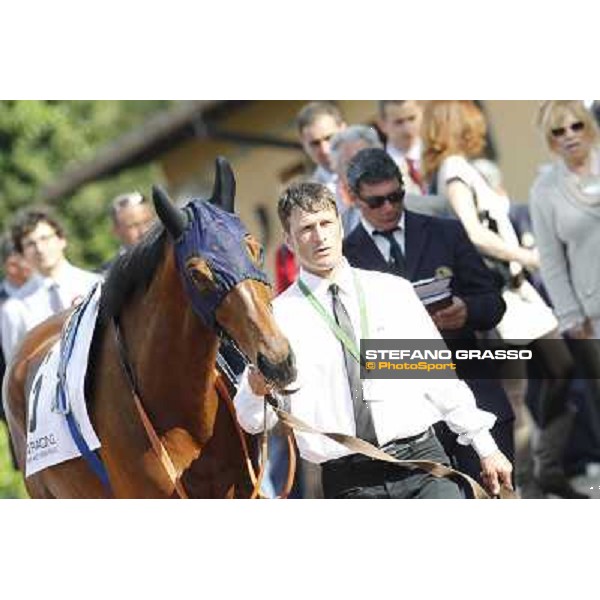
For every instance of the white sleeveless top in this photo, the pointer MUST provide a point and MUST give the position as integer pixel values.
(484, 196)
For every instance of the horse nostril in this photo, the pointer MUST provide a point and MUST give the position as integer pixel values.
(282, 373)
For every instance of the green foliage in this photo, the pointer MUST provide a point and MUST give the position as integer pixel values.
(11, 482)
(39, 139)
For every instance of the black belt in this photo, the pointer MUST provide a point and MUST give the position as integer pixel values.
(407, 441)
(389, 446)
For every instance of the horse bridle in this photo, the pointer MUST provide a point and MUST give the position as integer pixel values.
(163, 455)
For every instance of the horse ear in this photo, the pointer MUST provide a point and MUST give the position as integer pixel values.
(174, 219)
(223, 194)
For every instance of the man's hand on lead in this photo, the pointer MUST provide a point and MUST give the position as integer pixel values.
(496, 470)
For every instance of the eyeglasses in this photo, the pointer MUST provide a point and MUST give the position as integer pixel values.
(378, 201)
(558, 132)
(41, 241)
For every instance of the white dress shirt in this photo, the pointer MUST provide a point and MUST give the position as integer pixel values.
(35, 303)
(383, 245)
(414, 153)
(399, 157)
(400, 408)
(327, 178)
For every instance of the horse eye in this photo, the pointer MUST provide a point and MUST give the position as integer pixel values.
(201, 274)
(255, 252)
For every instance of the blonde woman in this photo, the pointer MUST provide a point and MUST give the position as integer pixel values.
(565, 209)
(453, 134)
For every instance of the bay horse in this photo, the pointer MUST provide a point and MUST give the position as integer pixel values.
(198, 272)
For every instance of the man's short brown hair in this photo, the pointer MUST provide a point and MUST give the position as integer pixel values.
(28, 220)
(383, 104)
(308, 196)
(310, 112)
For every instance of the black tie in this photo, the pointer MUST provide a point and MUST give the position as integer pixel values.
(397, 261)
(365, 429)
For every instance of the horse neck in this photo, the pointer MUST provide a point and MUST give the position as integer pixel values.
(173, 353)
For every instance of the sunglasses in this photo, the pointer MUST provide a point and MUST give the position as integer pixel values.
(558, 132)
(378, 201)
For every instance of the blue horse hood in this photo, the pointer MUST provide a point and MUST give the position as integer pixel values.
(217, 237)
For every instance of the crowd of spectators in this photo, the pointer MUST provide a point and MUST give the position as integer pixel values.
(522, 275)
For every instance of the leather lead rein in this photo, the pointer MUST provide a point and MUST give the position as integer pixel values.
(359, 446)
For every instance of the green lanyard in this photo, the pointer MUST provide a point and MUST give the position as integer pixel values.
(339, 333)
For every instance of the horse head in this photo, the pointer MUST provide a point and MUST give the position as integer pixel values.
(221, 265)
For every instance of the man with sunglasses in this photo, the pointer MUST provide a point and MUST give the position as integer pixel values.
(417, 247)
(58, 285)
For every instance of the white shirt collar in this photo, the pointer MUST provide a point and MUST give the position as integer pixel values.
(414, 152)
(323, 175)
(319, 286)
(30, 286)
(370, 229)
(62, 277)
(10, 289)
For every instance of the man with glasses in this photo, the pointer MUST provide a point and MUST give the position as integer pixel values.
(323, 315)
(58, 285)
(418, 247)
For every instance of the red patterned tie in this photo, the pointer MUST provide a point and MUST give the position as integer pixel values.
(415, 174)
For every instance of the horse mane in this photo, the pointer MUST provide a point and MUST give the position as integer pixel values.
(132, 271)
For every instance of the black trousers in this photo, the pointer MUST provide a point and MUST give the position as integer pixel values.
(358, 476)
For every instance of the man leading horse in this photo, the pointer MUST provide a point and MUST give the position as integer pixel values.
(323, 314)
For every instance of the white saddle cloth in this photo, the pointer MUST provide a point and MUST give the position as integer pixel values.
(49, 440)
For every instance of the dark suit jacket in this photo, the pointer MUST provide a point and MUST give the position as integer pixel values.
(431, 243)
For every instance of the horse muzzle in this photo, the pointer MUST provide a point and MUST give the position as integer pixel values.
(281, 374)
